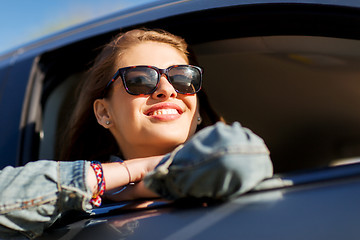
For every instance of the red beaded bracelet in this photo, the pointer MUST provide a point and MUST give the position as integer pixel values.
(97, 167)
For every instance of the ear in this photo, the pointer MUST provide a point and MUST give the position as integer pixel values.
(101, 111)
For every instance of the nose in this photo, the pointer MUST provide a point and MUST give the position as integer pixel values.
(164, 90)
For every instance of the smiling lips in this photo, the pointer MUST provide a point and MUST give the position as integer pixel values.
(164, 111)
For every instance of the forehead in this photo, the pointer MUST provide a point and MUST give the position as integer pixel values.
(157, 54)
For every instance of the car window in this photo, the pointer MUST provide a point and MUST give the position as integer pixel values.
(293, 83)
(297, 92)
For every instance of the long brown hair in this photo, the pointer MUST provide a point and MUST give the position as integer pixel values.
(84, 138)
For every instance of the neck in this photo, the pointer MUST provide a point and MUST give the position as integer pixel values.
(142, 152)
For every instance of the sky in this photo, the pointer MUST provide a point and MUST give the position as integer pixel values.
(22, 21)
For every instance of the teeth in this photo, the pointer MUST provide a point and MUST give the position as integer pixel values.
(164, 111)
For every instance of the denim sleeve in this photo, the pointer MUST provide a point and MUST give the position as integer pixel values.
(219, 162)
(32, 197)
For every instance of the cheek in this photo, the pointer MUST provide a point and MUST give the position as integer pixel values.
(193, 104)
(193, 108)
(124, 107)
(189, 100)
(126, 111)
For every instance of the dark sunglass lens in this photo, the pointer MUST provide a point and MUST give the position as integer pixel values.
(185, 79)
(140, 80)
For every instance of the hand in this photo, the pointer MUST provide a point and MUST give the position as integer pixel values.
(116, 175)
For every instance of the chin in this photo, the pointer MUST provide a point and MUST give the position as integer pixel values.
(168, 134)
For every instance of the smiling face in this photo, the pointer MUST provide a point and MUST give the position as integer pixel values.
(151, 124)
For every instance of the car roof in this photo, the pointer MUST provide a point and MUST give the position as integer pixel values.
(140, 14)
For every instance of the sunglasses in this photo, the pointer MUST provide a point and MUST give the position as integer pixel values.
(144, 80)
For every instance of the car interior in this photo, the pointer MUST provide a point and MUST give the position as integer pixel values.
(299, 91)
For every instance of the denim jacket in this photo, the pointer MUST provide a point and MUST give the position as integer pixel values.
(219, 162)
(32, 197)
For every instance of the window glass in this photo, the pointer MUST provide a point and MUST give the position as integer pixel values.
(298, 92)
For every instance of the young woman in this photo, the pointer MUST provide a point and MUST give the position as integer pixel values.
(141, 100)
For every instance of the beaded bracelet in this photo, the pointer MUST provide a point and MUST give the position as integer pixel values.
(97, 167)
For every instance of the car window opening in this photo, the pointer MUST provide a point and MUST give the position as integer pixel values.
(294, 91)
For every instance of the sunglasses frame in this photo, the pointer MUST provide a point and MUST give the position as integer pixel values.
(121, 73)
